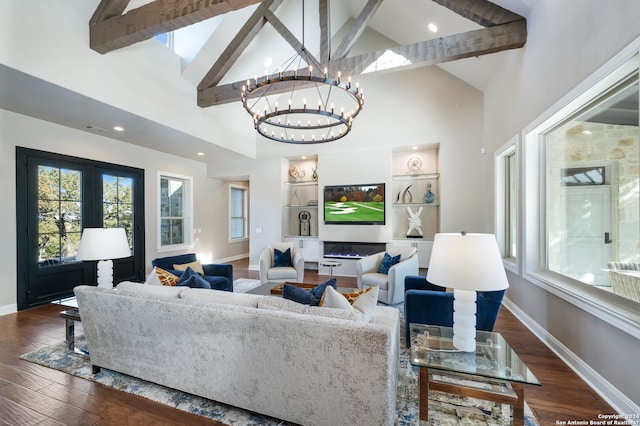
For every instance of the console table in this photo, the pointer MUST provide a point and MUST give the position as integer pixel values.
(469, 373)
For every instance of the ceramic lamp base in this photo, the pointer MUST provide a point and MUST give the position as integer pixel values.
(105, 274)
(464, 320)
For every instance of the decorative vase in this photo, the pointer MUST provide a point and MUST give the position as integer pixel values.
(314, 175)
(429, 197)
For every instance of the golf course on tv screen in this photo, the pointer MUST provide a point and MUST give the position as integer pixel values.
(354, 204)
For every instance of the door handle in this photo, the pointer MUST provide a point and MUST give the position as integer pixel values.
(607, 240)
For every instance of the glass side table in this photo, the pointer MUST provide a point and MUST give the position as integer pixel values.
(469, 373)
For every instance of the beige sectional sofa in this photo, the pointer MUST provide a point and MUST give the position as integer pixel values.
(307, 365)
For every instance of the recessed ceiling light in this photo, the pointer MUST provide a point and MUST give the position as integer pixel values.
(118, 128)
(414, 147)
(433, 27)
(304, 157)
(201, 154)
(586, 132)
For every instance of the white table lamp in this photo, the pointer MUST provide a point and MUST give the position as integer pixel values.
(103, 244)
(466, 263)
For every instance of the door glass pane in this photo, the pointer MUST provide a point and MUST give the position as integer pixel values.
(117, 204)
(59, 215)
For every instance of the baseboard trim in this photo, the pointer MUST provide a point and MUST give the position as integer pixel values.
(8, 309)
(232, 258)
(618, 401)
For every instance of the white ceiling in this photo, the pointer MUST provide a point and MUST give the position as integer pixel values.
(398, 21)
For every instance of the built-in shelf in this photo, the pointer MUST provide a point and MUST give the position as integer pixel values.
(416, 204)
(302, 183)
(417, 176)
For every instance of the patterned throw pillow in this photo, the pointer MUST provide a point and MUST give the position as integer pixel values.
(281, 259)
(387, 263)
(167, 278)
(351, 297)
(195, 265)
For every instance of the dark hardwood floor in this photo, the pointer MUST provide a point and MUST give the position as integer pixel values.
(35, 395)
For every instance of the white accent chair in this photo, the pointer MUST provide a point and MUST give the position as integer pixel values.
(392, 284)
(293, 273)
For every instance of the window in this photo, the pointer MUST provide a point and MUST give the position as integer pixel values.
(59, 214)
(117, 203)
(175, 210)
(238, 226)
(583, 188)
(506, 164)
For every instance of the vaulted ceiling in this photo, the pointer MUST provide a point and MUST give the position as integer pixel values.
(113, 27)
(222, 42)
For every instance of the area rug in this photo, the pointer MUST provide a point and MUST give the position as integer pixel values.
(243, 285)
(444, 409)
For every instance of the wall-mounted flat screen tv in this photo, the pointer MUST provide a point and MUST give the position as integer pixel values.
(354, 204)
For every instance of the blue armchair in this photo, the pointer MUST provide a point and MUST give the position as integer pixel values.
(220, 276)
(427, 303)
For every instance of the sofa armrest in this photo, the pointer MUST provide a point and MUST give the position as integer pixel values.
(219, 270)
(264, 265)
(415, 282)
(297, 261)
(427, 307)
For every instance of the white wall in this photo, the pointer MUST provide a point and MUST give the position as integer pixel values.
(210, 195)
(566, 43)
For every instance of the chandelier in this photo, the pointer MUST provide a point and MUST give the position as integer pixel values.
(299, 121)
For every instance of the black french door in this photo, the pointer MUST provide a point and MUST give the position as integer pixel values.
(57, 197)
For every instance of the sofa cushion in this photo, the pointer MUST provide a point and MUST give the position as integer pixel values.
(364, 304)
(191, 278)
(166, 278)
(222, 297)
(278, 274)
(195, 265)
(374, 278)
(152, 291)
(281, 259)
(308, 297)
(387, 262)
(279, 304)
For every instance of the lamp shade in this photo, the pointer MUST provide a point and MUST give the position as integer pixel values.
(103, 244)
(467, 262)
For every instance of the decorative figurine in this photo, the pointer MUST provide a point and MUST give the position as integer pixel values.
(429, 197)
(415, 223)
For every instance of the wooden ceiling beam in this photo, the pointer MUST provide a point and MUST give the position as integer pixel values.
(232, 52)
(325, 30)
(157, 17)
(291, 39)
(108, 9)
(358, 27)
(484, 41)
(482, 12)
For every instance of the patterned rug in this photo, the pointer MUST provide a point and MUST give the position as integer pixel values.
(243, 285)
(444, 409)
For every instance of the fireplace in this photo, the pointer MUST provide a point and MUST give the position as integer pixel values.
(350, 250)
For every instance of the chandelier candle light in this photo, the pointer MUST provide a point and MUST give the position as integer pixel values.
(298, 122)
(103, 244)
(466, 263)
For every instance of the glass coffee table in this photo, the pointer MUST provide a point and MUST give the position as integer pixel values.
(494, 372)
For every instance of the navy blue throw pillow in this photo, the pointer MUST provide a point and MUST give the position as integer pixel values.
(191, 278)
(281, 259)
(308, 297)
(387, 263)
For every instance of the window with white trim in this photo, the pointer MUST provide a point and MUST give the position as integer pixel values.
(238, 211)
(506, 163)
(583, 189)
(174, 210)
